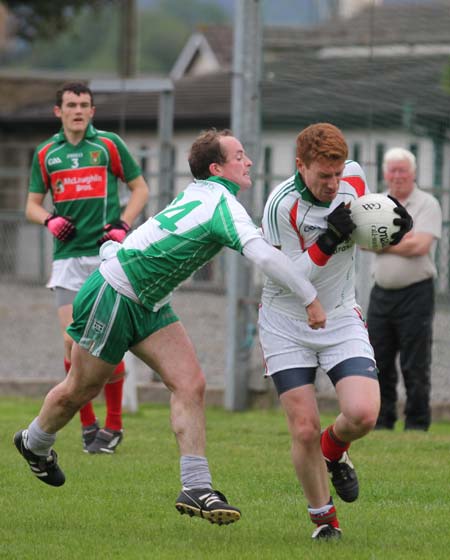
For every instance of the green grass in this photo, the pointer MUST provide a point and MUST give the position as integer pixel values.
(122, 506)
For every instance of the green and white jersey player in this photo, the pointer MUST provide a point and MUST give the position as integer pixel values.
(203, 219)
(125, 305)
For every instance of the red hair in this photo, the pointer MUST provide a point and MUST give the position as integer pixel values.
(321, 141)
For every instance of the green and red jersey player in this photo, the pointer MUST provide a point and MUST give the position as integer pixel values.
(80, 168)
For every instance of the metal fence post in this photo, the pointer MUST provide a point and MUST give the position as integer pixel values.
(245, 122)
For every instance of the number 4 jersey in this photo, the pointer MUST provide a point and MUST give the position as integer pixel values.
(170, 246)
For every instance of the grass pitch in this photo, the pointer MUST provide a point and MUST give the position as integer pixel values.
(122, 506)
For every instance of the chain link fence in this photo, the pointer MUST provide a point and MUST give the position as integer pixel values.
(381, 94)
(32, 347)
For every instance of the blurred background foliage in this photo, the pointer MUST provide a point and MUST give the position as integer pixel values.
(83, 35)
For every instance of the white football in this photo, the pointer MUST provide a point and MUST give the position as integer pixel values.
(373, 214)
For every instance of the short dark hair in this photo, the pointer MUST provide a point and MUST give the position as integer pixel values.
(321, 141)
(75, 87)
(205, 150)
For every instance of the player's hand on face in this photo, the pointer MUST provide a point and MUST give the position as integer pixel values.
(316, 315)
(405, 221)
(62, 227)
(115, 232)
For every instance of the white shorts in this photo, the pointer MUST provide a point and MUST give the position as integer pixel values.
(71, 273)
(290, 343)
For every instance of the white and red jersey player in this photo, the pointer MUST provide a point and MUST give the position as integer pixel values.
(293, 220)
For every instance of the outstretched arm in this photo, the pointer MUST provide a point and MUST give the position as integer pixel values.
(291, 275)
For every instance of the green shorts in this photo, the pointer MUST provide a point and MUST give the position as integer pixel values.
(107, 324)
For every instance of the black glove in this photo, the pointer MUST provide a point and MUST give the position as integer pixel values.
(340, 227)
(62, 227)
(405, 222)
(115, 232)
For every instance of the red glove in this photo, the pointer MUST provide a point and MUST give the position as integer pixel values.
(61, 227)
(115, 232)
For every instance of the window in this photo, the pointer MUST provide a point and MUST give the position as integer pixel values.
(379, 162)
(356, 152)
(267, 166)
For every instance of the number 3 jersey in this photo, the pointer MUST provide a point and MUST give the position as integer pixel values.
(177, 241)
(83, 181)
(293, 219)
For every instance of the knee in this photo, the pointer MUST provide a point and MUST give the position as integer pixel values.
(66, 397)
(367, 422)
(199, 385)
(364, 419)
(90, 392)
(305, 432)
(192, 386)
(77, 391)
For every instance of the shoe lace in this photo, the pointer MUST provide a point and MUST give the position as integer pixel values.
(344, 471)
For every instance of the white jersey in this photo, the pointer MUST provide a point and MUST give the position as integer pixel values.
(293, 220)
(177, 241)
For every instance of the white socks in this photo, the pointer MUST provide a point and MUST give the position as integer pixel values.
(39, 442)
(195, 472)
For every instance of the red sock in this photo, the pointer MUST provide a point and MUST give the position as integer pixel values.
(87, 414)
(325, 515)
(113, 399)
(332, 446)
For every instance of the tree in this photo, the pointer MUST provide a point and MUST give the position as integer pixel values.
(87, 44)
(91, 44)
(44, 19)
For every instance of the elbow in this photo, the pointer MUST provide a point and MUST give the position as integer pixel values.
(422, 252)
(264, 261)
(419, 251)
(28, 213)
(145, 196)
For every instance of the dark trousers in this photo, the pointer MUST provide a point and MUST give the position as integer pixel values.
(401, 322)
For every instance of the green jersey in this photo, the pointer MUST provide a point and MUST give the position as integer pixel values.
(83, 181)
(170, 246)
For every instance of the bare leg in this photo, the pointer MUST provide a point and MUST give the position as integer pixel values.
(303, 419)
(170, 352)
(65, 318)
(359, 401)
(87, 376)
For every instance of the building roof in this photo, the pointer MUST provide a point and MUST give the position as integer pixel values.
(357, 92)
(382, 92)
(220, 38)
(397, 23)
(373, 25)
(299, 85)
(202, 101)
(18, 91)
(377, 26)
